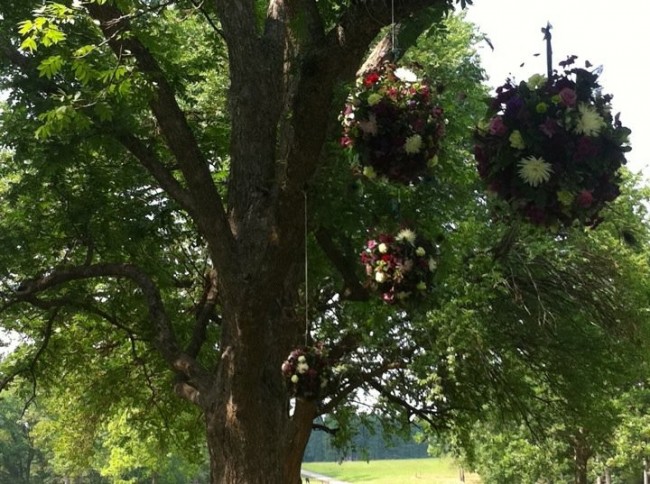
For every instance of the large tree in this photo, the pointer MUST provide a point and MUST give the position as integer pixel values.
(134, 196)
(155, 224)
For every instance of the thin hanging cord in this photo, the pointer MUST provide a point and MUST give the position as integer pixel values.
(393, 45)
(306, 278)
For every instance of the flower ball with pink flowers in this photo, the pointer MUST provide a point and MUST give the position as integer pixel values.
(392, 125)
(552, 148)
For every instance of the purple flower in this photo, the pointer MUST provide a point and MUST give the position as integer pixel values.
(585, 149)
(513, 107)
(497, 127)
(536, 214)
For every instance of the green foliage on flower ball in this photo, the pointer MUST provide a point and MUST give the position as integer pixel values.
(551, 148)
(393, 125)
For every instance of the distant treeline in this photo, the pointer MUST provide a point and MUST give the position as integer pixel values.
(369, 443)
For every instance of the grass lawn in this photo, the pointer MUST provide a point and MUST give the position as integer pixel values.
(401, 471)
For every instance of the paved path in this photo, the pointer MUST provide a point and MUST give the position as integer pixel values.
(318, 478)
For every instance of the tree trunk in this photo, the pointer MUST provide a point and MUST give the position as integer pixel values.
(581, 460)
(646, 472)
(254, 435)
(252, 438)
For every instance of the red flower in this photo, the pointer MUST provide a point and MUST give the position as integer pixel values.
(370, 79)
(585, 199)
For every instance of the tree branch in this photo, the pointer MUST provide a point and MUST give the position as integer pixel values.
(426, 415)
(324, 428)
(165, 339)
(204, 313)
(210, 214)
(149, 160)
(353, 290)
(30, 367)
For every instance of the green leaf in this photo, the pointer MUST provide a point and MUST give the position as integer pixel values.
(103, 111)
(82, 71)
(25, 27)
(52, 36)
(51, 66)
(29, 44)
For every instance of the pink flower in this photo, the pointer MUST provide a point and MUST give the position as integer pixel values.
(549, 128)
(568, 97)
(585, 199)
(496, 127)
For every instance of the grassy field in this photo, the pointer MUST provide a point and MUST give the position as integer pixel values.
(403, 471)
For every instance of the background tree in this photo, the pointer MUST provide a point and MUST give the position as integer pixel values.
(570, 422)
(21, 461)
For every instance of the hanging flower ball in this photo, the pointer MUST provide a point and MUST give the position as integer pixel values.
(551, 147)
(392, 125)
(307, 372)
(399, 267)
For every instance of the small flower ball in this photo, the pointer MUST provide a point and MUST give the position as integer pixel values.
(307, 372)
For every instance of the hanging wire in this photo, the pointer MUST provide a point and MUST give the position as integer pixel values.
(306, 275)
(393, 44)
(549, 49)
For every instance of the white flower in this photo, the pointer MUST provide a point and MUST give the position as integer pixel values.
(420, 252)
(432, 264)
(406, 234)
(302, 368)
(382, 248)
(369, 126)
(302, 359)
(380, 277)
(413, 143)
(534, 170)
(405, 75)
(294, 379)
(590, 122)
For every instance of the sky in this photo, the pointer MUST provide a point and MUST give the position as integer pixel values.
(613, 34)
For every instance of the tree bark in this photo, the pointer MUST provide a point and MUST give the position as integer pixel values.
(253, 437)
(581, 456)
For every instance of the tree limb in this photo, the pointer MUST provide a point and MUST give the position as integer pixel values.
(165, 339)
(353, 290)
(210, 214)
(30, 367)
(204, 314)
(149, 160)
